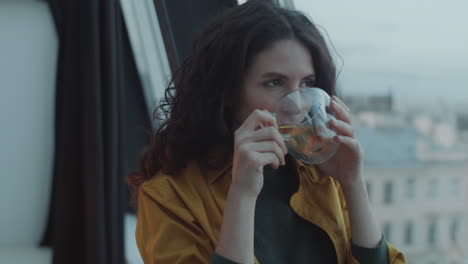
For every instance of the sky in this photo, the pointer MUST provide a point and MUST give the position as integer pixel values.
(416, 49)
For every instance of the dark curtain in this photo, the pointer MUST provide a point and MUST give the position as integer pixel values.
(100, 124)
(181, 21)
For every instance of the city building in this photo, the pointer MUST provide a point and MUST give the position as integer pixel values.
(416, 172)
(422, 210)
(374, 103)
(462, 126)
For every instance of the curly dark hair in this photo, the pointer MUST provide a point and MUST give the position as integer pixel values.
(204, 94)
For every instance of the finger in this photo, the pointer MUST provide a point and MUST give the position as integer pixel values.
(263, 134)
(256, 158)
(347, 141)
(269, 158)
(340, 112)
(341, 128)
(336, 98)
(268, 133)
(256, 118)
(268, 146)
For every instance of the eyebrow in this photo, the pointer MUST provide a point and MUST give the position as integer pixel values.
(282, 76)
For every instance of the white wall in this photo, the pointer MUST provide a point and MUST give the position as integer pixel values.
(28, 55)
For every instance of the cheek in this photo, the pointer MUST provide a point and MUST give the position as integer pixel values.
(255, 99)
(260, 100)
(255, 96)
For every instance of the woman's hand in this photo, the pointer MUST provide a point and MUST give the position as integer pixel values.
(257, 143)
(345, 165)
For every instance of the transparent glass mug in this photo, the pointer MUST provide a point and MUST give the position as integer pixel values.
(302, 117)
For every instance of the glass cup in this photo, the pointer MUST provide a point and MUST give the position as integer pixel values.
(302, 117)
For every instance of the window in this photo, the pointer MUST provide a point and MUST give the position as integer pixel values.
(406, 142)
(455, 188)
(454, 229)
(408, 233)
(432, 190)
(432, 232)
(284, 3)
(387, 230)
(287, 3)
(388, 192)
(410, 189)
(148, 48)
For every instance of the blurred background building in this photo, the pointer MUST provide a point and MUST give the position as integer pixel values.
(416, 169)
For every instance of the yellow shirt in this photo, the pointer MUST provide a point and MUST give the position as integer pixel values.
(179, 217)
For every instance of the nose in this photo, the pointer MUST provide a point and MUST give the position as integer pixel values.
(298, 105)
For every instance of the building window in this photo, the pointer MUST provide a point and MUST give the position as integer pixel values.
(455, 188)
(432, 190)
(409, 233)
(387, 231)
(410, 189)
(432, 232)
(388, 192)
(454, 229)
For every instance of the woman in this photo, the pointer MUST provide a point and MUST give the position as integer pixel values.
(216, 184)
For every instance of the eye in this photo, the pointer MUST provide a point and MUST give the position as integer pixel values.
(308, 83)
(274, 83)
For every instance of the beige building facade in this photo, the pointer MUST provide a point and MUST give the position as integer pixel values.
(423, 211)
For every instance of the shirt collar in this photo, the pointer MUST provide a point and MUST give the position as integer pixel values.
(306, 170)
(213, 174)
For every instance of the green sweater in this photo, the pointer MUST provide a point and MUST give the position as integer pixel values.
(281, 236)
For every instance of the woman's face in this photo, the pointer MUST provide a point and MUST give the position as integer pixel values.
(285, 66)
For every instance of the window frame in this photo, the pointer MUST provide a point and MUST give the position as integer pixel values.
(148, 49)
